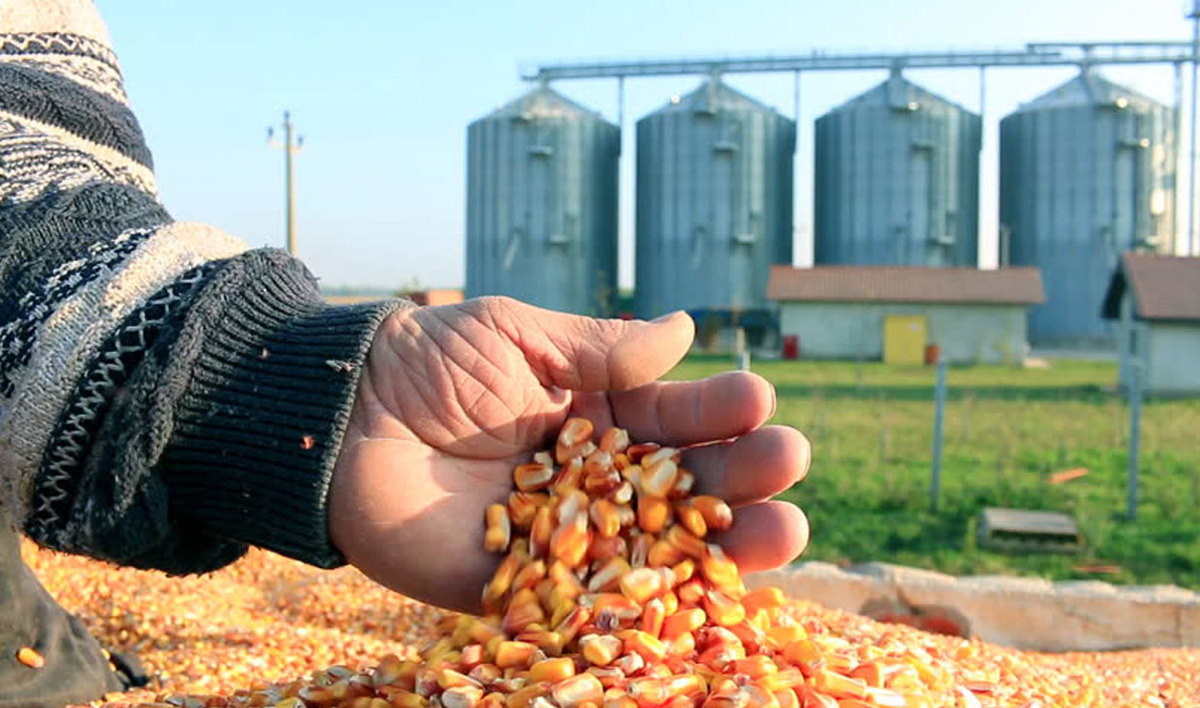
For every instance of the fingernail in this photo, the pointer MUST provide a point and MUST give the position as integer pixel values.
(664, 318)
(774, 403)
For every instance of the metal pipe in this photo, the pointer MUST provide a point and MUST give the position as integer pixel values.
(939, 418)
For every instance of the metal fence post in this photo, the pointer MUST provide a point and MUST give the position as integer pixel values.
(939, 418)
(1135, 434)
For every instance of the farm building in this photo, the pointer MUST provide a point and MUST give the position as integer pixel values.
(1156, 300)
(903, 314)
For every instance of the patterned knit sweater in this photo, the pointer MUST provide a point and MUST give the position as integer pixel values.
(167, 396)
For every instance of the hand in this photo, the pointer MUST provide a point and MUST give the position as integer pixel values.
(453, 397)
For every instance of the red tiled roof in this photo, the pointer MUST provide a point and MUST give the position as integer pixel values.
(1008, 286)
(1164, 287)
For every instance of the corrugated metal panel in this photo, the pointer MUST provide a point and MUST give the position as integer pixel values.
(542, 205)
(897, 180)
(1087, 172)
(714, 201)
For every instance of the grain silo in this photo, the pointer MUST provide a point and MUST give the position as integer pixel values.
(897, 180)
(1087, 172)
(542, 204)
(714, 202)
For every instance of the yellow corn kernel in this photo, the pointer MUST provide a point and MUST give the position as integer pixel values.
(449, 678)
(552, 670)
(499, 529)
(569, 478)
(768, 598)
(30, 657)
(780, 680)
(639, 550)
(523, 610)
(600, 649)
(691, 592)
(523, 697)
(406, 699)
(622, 495)
(572, 623)
(682, 621)
(573, 439)
(649, 691)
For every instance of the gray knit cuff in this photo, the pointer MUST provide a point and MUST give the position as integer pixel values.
(258, 429)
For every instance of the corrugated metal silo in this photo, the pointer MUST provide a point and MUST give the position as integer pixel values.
(714, 201)
(1087, 172)
(897, 180)
(542, 204)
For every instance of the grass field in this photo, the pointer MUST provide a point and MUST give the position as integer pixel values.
(1006, 431)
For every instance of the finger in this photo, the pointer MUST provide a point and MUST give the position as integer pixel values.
(681, 413)
(765, 535)
(590, 354)
(754, 467)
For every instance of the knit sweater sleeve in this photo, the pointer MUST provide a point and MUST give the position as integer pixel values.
(167, 396)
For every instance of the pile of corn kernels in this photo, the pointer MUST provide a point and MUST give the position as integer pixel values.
(609, 595)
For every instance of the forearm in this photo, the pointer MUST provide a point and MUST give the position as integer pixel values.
(167, 395)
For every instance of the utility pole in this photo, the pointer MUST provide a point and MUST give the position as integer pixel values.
(1193, 240)
(290, 148)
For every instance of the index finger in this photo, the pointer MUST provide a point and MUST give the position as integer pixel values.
(682, 413)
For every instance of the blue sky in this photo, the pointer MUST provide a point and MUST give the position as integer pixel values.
(383, 92)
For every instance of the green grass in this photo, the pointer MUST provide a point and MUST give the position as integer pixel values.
(1006, 430)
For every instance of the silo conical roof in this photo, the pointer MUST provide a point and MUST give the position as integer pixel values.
(711, 96)
(1089, 89)
(541, 102)
(897, 92)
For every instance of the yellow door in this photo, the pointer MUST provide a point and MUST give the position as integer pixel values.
(904, 339)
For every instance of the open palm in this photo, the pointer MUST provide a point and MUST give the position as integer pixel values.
(453, 397)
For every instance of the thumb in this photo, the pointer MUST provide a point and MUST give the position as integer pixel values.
(591, 354)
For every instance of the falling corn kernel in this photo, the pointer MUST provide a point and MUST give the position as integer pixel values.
(30, 657)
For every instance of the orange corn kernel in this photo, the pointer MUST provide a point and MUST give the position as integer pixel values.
(578, 690)
(685, 541)
(652, 617)
(30, 657)
(548, 641)
(540, 532)
(691, 519)
(514, 654)
(639, 550)
(717, 514)
(722, 609)
(681, 622)
(869, 673)
(662, 553)
(569, 542)
(767, 598)
(684, 481)
(614, 440)
(755, 666)
(573, 439)
(608, 577)
(605, 517)
(653, 513)
(603, 549)
(529, 576)
(569, 478)
(532, 476)
(600, 649)
(838, 686)
(649, 648)
(552, 670)
(641, 584)
(719, 570)
(523, 506)
(658, 479)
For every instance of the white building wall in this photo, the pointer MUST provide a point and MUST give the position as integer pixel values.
(966, 333)
(1174, 358)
